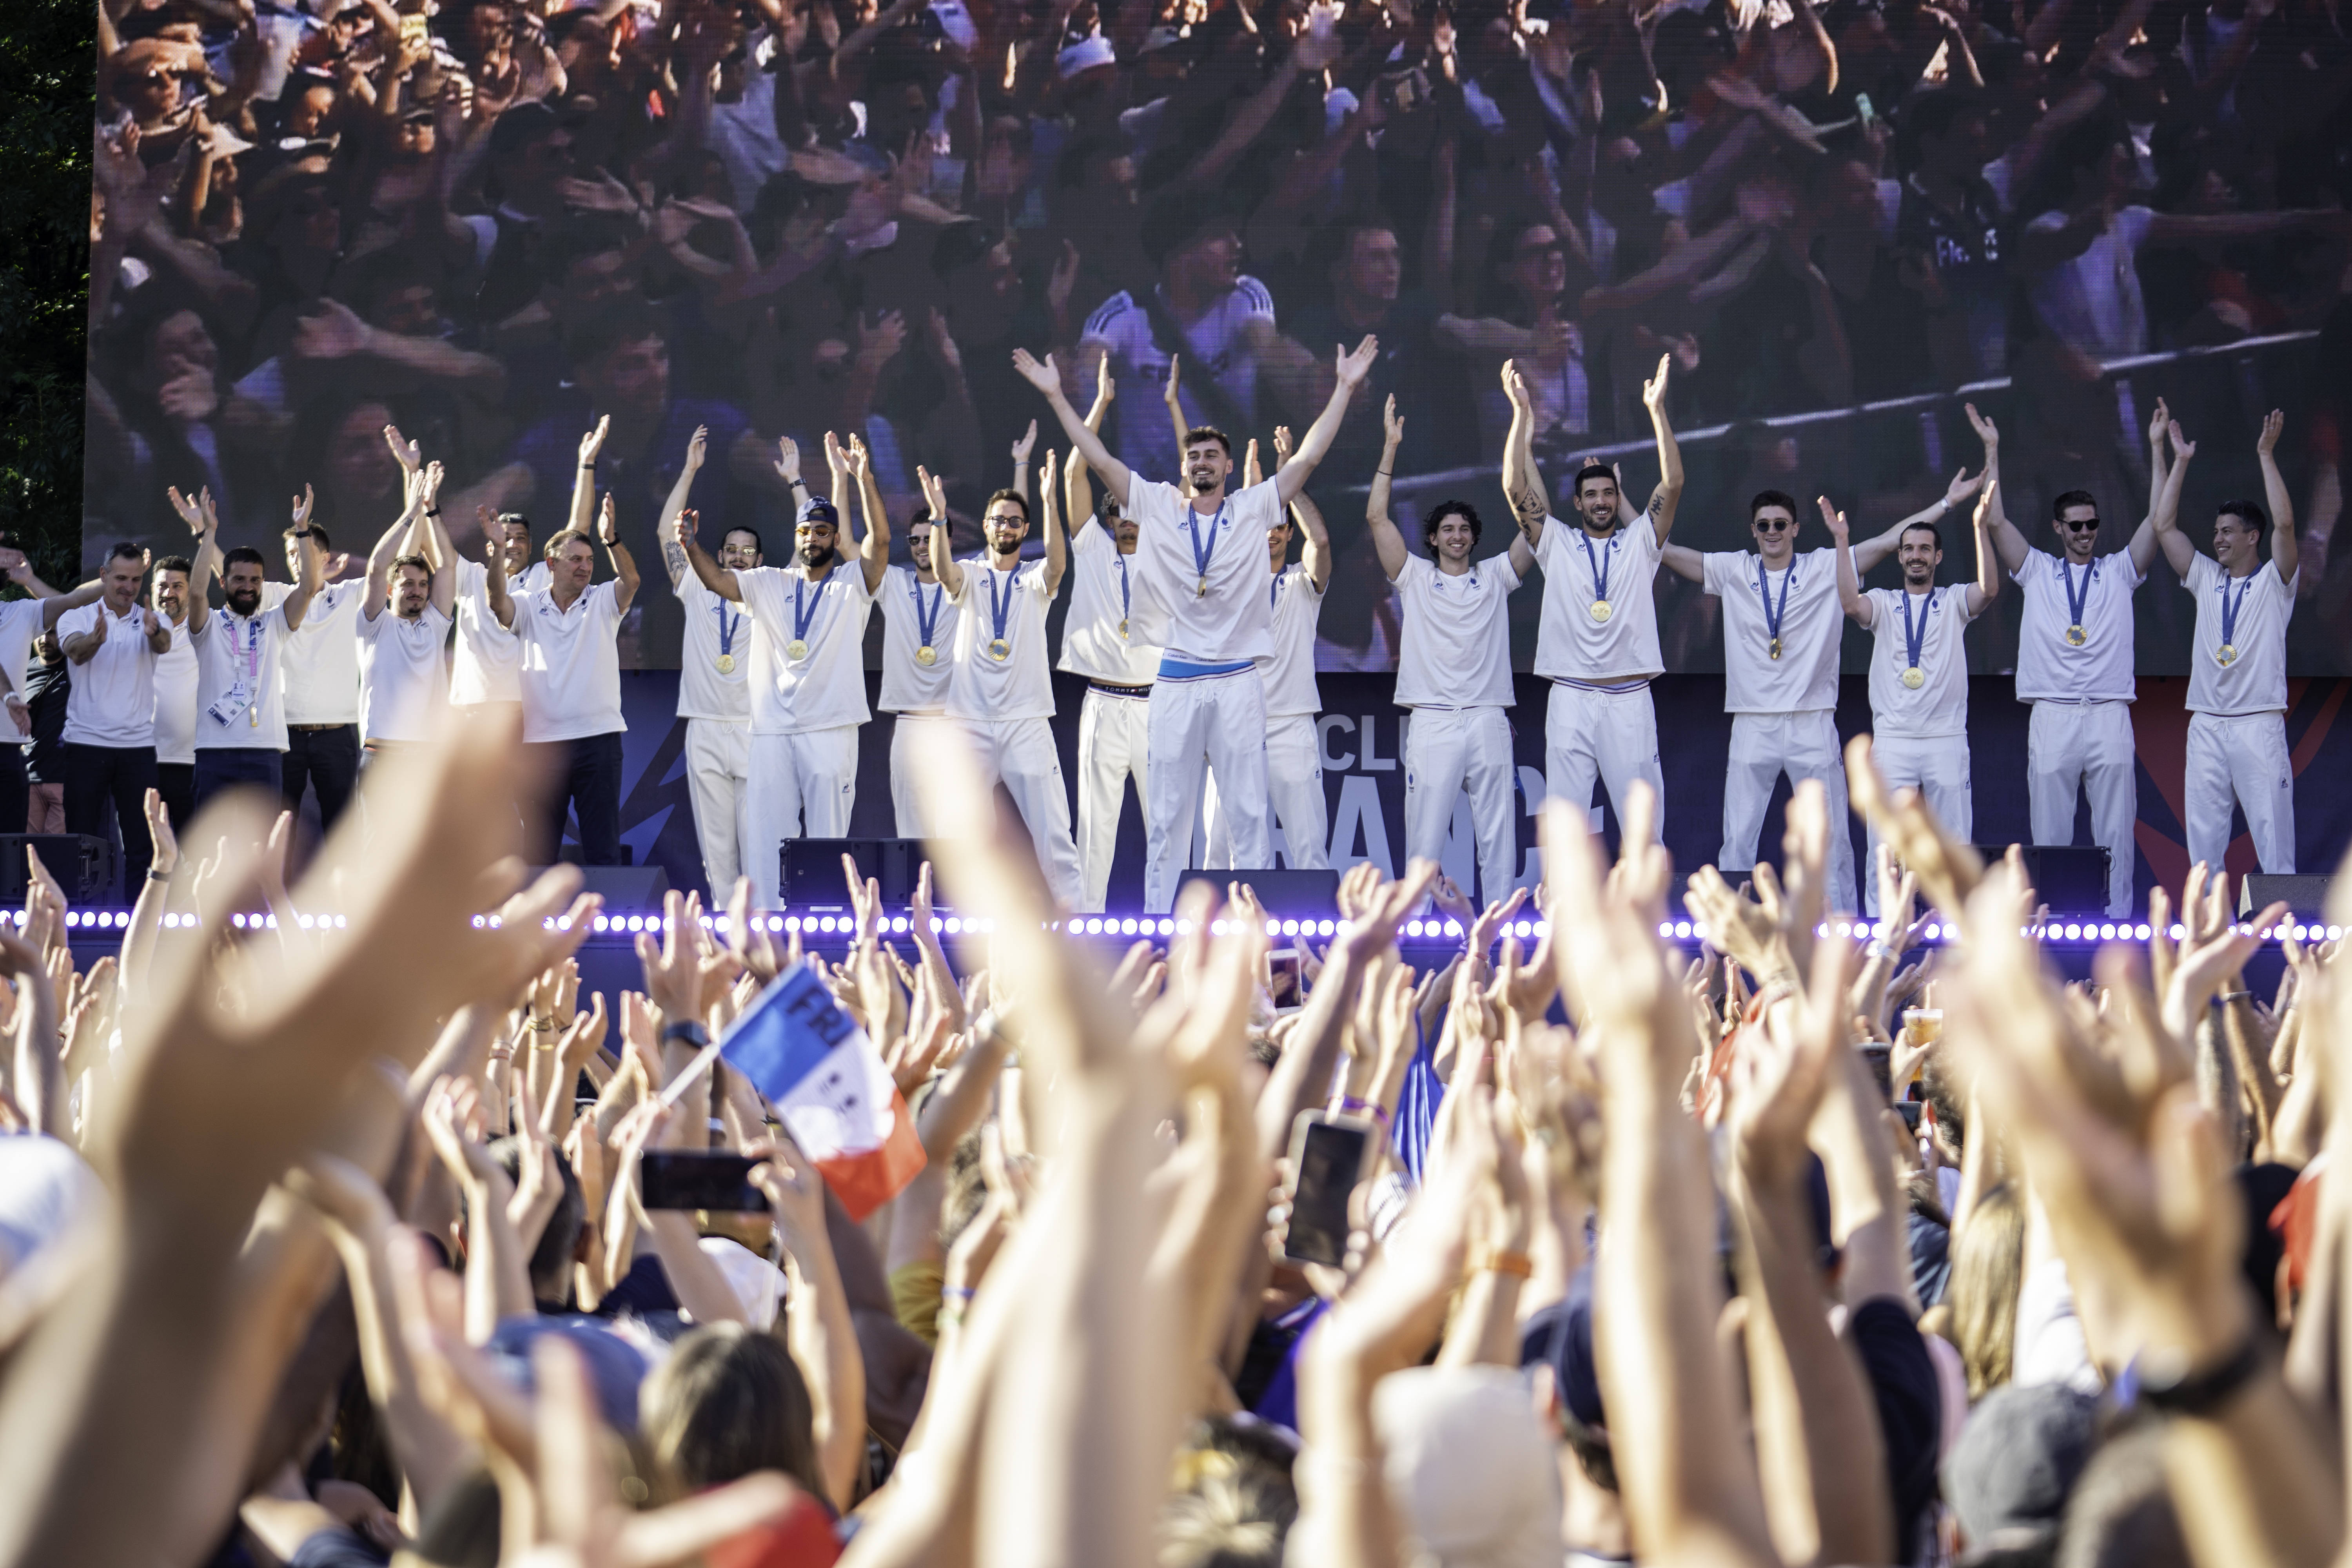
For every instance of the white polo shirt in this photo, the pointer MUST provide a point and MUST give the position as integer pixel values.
(2049, 667)
(322, 657)
(569, 668)
(403, 674)
(1938, 707)
(111, 700)
(826, 690)
(717, 631)
(1569, 644)
(176, 699)
(1290, 674)
(2258, 607)
(241, 656)
(914, 613)
(1009, 606)
(1102, 599)
(482, 667)
(1804, 598)
(1456, 649)
(1230, 621)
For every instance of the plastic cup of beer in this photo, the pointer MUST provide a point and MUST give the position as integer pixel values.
(1923, 1026)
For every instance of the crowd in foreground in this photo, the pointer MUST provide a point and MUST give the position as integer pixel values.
(328, 1246)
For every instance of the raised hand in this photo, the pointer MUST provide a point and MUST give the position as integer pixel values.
(1039, 374)
(1028, 439)
(1834, 520)
(1169, 394)
(608, 527)
(403, 451)
(1356, 363)
(2273, 425)
(788, 460)
(697, 446)
(1654, 391)
(301, 507)
(1987, 432)
(1283, 445)
(194, 513)
(2158, 423)
(1964, 485)
(593, 443)
(1391, 422)
(1106, 383)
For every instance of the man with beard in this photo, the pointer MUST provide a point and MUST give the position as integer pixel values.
(1114, 722)
(240, 682)
(110, 731)
(919, 633)
(404, 655)
(1919, 666)
(570, 681)
(22, 621)
(808, 669)
(1002, 689)
(714, 693)
(322, 689)
(1201, 598)
(175, 692)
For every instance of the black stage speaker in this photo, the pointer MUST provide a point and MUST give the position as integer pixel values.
(83, 865)
(622, 887)
(2070, 878)
(2305, 897)
(1283, 892)
(812, 869)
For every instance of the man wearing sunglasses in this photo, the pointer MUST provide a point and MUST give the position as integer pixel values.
(2075, 663)
(1781, 629)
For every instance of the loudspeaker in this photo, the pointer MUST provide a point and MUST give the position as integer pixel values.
(2305, 897)
(2070, 878)
(622, 887)
(83, 865)
(811, 869)
(1283, 892)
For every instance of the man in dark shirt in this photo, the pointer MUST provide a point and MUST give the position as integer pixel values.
(46, 686)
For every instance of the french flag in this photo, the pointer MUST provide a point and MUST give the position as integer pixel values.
(828, 1083)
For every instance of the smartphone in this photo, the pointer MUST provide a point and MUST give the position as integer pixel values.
(1326, 1160)
(1909, 1110)
(1288, 986)
(1862, 110)
(682, 1179)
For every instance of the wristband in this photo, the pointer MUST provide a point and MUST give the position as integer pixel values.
(687, 1031)
(957, 1292)
(1350, 1105)
(2177, 1390)
(433, 512)
(542, 1026)
(587, 467)
(2223, 998)
(155, 876)
(1500, 1261)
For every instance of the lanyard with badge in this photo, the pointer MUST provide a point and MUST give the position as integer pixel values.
(2227, 654)
(1126, 603)
(2077, 633)
(1912, 637)
(803, 618)
(1600, 565)
(1774, 613)
(243, 693)
(1203, 554)
(998, 609)
(927, 623)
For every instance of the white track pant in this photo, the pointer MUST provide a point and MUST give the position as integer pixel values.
(1114, 745)
(2243, 758)
(1209, 722)
(2072, 746)
(1612, 735)
(1449, 754)
(906, 798)
(1804, 746)
(802, 787)
(718, 781)
(1018, 753)
(1293, 783)
(1938, 767)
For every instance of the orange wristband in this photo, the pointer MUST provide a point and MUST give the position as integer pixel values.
(1518, 1263)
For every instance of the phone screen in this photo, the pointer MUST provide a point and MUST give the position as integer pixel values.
(1285, 988)
(1328, 1155)
(681, 1179)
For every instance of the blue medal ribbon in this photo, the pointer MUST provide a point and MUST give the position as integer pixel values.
(726, 629)
(1202, 555)
(1773, 612)
(1125, 603)
(927, 622)
(2075, 603)
(803, 619)
(1915, 636)
(2232, 604)
(1599, 563)
(998, 609)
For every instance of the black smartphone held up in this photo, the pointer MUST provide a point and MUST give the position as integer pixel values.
(1909, 1110)
(1288, 991)
(1326, 1160)
(682, 1179)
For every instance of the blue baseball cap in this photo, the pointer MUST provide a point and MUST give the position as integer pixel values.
(816, 509)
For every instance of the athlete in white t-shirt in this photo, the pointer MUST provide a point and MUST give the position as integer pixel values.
(323, 685)
(109, 729)
(2075, 664)
(175, 692)
(1919, 665)
(2237, 666)
(919, 633)
(714, 691)
(405, 654)
(1002, 688)
(1097, 642)
(1596, 642)
(1201, 597)
(1781, 627)
(808, 666)
(240, 687)
(569, 671)
(1454, 675)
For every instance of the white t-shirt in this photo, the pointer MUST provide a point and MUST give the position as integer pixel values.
(1569, 644)
(1102, 596)
(403, 674)
(111, 700)
(1456, 649)
(20, 625)
(1804, 679)
(1216, 346)
(826, 690)
(232, 652)
(322, 657)
(1010, 606)
(2049, 667)
(909, 606)
(1232, 621)
(2255, 681)
(715, 629)
(570, 664)
(482, 669)
(1290, 673)
(1939, 705)
(176, 699)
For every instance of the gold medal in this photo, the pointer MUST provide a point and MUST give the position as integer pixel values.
(726, 663)
(1122, 629)
(927, 656)
(1914, 677)
(999, 649)
(253, 711)
(2076, 637)
(1772, 650)
(796, 650)
(2226, 654)
(1600, 610)
(1202, 592)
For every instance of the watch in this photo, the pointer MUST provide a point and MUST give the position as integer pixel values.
(686, 1031)
(2165, 1382)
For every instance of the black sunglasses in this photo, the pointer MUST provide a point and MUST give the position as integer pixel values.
(2081, 525)
(1772, 524)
